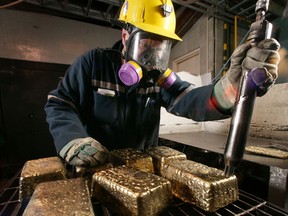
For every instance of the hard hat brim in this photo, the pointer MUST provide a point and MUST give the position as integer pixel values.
(147, 28)
(155, 30)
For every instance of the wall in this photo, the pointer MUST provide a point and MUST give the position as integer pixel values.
(282, 25)
(44, 38)
(202, 36)
(195, 38)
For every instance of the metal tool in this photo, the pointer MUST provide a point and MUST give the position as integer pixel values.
(243, 108)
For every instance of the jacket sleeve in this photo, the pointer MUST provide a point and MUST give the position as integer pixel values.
(184, 99)
(62, 107)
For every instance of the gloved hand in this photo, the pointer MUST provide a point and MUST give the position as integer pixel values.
(85, 152)
(265, 55)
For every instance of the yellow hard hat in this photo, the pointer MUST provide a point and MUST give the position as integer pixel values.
(154, 16)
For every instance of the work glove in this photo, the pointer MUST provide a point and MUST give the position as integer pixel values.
(245, 58)
(85, 152)
(264, 56)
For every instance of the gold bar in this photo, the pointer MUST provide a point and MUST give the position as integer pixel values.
(132, 158)
(37, 171)
(88, 172)
(62, 197)
(272, 152)
(162, 155)
(126, 191)
(203, 186)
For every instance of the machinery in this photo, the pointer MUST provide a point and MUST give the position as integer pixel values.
(243, 109)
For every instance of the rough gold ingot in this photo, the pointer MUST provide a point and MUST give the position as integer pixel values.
(37, 171)
(203, 186)
(88, 172)
(132, 158)
(62, 197)
(272, 152)
(126, 191)
(162, 155)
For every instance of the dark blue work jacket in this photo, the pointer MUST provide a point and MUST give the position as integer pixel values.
(92, 101)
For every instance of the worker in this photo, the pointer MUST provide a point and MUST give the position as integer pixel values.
(111, 98)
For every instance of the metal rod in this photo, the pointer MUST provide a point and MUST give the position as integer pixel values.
(10, 201)
(247, 92)
(237, 5)
(204, 11)
(88, 7)
(247, 9)
(252, 209)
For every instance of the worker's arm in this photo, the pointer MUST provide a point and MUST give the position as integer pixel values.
(184, 99)
(63, 111)
(216, 101)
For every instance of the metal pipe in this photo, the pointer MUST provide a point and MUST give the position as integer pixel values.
(11, 4)
(238, 5)
(88, 7)
(206, 11)
(243, 108)
(247, 9)
(225, 45)
(236, 31)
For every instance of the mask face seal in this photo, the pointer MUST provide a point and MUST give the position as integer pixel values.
(145, 52)
(150, 51)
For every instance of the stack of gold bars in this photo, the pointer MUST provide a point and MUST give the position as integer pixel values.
(134, 183)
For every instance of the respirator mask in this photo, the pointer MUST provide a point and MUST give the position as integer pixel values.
(147, 58)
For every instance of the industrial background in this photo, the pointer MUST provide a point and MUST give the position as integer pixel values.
(39, 39)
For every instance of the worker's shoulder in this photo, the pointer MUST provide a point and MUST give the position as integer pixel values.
(96, 52)
(93, 55)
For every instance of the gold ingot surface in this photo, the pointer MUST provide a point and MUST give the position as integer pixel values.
(132, 158)
(272, 152)
(203, 186)
(162, 155)
(88, 172)
(126, 191)
(62, 197)
(37, 171)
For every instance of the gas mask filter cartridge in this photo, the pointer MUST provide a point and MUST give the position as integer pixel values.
(131, 73)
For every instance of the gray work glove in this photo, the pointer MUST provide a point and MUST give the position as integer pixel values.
(265, 55)
(85, 152)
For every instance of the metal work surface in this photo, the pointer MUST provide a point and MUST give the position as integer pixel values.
(216, 142)
(247, 204)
